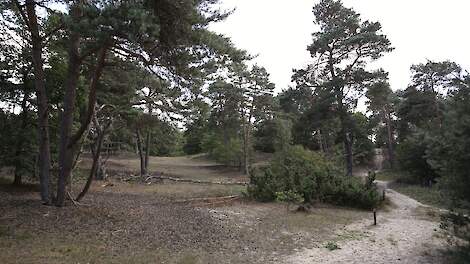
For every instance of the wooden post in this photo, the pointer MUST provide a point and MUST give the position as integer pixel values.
(375, 217)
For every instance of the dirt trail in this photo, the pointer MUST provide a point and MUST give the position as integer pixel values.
(405, 234)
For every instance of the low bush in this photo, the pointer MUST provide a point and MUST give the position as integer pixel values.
(308, 174)
(412, 155)
(332, 246)
(228, 153)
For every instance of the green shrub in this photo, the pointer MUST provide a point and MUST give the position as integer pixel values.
(228, 153)
(289, 197)
(412, 158)
(332, 246)
(312, 177)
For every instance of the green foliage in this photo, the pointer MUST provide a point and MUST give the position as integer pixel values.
(228, 152)
(289, 197)
(273, 135)
(412, 158)
(415, 110)
(332, 246)
(197, 128)
(310, 175)
(426, 195)
(17, 146)
(382, 104)
(448, 151)
(342, 48)
(434, 127)
(166, 140)
(363, 145)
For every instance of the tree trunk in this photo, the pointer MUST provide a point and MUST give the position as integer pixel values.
(347, 137)
(147, 151)
(95, 165)
(68, 142)
(246, 158)
(43, 112)
(348, 153)
(320, 142)
(141, 153)
(391, 153)
(65, 149)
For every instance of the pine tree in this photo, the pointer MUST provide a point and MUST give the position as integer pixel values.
(341, 50)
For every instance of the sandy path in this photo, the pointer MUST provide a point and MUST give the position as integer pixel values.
(403, 235)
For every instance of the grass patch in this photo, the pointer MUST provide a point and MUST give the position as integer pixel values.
(5, 181)
(180, 190)
(331, 245)
(398, 182)
(389, 175)
(426, 195)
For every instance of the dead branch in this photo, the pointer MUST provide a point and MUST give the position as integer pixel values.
(210, 199)
(149, 178)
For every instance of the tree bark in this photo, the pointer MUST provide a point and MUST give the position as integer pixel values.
(391, 153)
(245, 150)
(95, 165)
(68, 143)
(43, 111)
(141, 153)
(347, 137)
(65, 148)
(339, 90)
(349, 153)
(147, 151)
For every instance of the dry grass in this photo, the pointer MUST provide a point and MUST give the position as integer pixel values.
(193, 167)
(139, 223)
(174, 191)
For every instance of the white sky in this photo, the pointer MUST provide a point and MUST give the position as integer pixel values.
(279, 32)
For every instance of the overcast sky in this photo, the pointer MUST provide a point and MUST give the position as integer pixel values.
(279, 32)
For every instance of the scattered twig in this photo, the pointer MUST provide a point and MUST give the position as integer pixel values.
(72, 199)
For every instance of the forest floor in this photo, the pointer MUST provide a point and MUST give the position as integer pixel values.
(133, 222)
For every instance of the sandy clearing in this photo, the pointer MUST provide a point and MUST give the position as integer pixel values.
(401, 236)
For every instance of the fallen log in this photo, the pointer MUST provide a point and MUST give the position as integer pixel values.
(210, 199)
(193, 181)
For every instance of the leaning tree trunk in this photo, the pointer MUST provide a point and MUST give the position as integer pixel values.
(43, 112)
(95, 165)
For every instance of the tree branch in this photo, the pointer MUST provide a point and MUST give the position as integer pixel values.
(22, 13)
(91, 96)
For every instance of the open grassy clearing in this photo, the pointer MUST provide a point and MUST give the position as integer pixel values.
(131, 222)
(196, 167)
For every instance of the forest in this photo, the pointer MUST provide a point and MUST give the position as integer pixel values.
(130, 132)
